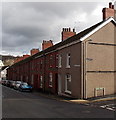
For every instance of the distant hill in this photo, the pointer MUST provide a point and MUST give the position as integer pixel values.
(7, 59)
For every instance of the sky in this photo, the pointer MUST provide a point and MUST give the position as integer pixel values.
(26, 24)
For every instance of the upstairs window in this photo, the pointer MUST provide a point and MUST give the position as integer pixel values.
(51, 60)
(59, 61)
(40, 64)
(68, 59)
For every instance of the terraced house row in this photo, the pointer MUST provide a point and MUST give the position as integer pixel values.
(80, 66)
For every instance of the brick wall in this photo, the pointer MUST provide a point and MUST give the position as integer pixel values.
(66, 33)
(46, 44)
(34, 51)
(108, 12)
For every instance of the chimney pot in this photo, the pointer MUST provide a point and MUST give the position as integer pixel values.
(73, 30)
(110, 5)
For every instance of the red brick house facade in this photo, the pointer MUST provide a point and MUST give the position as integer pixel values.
(73, 66)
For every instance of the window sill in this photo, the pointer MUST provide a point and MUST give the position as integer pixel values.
(68, 67)
(59, 67)
(50, 86)
(66, 91)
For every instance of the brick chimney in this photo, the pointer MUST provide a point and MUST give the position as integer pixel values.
(25, 56)
(108, 12)
(66, 33)
(19, 58)
(46, 44)
(34, 51)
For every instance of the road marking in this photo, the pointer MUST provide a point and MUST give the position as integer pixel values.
(86, 104)
(109, 107)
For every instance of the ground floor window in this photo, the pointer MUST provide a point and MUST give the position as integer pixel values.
(41, 82)
(68, 83)
(50, 79)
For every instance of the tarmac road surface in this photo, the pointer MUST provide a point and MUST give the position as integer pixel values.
(17, 104)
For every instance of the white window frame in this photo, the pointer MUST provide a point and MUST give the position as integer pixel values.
(59, 61)
(41, 63)
(68, 58)
(50, 79)
(67, 79)
(57, 56)
(41, 81)
(51, 57)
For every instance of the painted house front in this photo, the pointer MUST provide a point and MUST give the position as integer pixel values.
(99, 60)
(87, 63)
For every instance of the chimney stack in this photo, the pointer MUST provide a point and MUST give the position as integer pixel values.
(20, 58)
(46, 44)
(34, 51)
(66, 33)
(108, 12)
(25, 56)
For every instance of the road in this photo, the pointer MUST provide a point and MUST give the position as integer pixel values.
(17, 104)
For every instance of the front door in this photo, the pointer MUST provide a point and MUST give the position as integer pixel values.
(35, 81)
(59, 84)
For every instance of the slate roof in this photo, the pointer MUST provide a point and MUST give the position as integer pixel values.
(67, 41)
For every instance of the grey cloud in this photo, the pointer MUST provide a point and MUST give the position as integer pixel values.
(26, 24)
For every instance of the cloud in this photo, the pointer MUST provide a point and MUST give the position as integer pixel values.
(26, 25)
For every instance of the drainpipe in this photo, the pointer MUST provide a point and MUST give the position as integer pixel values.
(85, 70)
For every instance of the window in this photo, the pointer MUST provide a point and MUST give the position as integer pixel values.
(40, 64)
(59, 61)
(68, 84)
(68, 61)
(41, 81)
(51, 62)
(50, 79)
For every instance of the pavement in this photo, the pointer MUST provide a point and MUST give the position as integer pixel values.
(79, 101)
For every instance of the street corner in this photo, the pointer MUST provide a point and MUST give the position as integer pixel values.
(103, 99)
